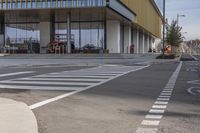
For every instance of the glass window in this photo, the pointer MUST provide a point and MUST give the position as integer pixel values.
(92, 34)
(34, 3)
(22, 38)
(23, 4)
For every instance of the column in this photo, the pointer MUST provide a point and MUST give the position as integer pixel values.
(45, 35)
(2, 30)
(113, 36)
(127, 39)
(68, 33)
(148, 42)
(136, 40)
(143, 42)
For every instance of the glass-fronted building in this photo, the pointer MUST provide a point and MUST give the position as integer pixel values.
(71, 26)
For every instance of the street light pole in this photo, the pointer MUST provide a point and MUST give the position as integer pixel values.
(163, 26)
(178, 15)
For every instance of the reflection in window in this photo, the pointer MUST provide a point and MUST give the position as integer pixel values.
(22, 38)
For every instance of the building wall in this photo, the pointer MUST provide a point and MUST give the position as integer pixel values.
(147, 15)
(113, 36)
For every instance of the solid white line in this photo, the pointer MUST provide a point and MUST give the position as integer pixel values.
(147, 130)
(52, 100)
(83, 74)
(157, 111)
(150, 122)
(36, 105)
(39, 87)
(159, 106)
(150, 116)
(15, 73)
(71, 76)
(160, 102)
(62, 79)
(45, 83)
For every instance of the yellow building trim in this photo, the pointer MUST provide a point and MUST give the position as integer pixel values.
(148, 16)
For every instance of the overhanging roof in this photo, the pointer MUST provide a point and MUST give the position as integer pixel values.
(122, 9)
(156, 8)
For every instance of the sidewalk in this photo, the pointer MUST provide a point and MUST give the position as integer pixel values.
(16, 117)
(73, 59)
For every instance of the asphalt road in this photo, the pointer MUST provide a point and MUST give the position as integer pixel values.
(117, 99)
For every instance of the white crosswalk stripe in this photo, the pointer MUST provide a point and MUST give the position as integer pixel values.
(75, 80)
(15, 73)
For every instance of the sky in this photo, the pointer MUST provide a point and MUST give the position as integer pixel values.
(191, 9)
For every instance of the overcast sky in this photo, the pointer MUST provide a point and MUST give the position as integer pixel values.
(190, 8)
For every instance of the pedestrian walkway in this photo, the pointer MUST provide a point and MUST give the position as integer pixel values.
(68, 80)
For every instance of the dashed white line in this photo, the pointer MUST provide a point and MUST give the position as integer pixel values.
(161, 102)
(164, 96)
(150, 116)
(146, 130)
(150, 122)
(163, 99)
(164, 91)
(157, 111)
(159, 106)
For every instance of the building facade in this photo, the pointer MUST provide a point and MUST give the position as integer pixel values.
(111, 26)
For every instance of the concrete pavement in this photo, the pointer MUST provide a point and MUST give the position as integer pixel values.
(74, 59)
(16, 117)
(118, 106)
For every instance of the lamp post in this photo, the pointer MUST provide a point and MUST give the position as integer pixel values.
(163, 26)
(178, 16)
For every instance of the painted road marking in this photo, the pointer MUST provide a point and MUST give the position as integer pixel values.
(95, 74)
(15, 73)
(62, 79)
(128, 70)
(27, 87)
(150, 116)
(46, 83)
(156, 111)
(163, 99)
(167, 89)
(150, 122)
(160, 102)
(164, 91)
(159, 106)
(166, 94)
(194, 90)
(71, 76)
(146, 130)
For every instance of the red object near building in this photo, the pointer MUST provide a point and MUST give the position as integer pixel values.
(132, 49)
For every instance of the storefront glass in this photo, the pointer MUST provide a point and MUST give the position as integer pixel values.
(22, 38)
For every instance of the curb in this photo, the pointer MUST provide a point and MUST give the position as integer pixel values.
(16, 117)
